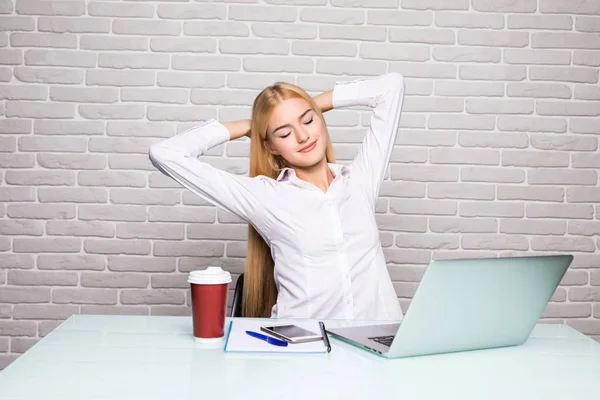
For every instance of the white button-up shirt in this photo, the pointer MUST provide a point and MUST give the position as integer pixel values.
(329, 263)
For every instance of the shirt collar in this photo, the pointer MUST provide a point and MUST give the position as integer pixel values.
(336, 169)
(284, 173)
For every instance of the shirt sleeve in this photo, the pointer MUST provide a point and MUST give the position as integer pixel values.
(384, 94)
(177, 157)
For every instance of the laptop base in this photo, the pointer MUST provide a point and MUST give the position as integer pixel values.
(360, 336)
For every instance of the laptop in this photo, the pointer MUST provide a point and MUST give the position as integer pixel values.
(467, 304)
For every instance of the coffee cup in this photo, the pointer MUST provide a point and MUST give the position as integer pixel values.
(209, 289)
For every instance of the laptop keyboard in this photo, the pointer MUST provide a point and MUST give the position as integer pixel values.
(384, 340)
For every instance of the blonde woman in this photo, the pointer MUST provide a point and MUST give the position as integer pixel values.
(313, 248)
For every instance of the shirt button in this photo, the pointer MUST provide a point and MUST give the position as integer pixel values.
(348, 301)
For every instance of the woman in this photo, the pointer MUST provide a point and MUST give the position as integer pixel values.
(314, 248)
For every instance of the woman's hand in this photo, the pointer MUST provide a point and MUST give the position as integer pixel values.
(237, 129)
(323, 100)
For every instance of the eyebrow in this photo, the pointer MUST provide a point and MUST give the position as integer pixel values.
(300, 117)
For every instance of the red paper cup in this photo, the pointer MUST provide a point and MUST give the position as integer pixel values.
(209, 303)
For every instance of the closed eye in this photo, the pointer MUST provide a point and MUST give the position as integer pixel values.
(288, 134)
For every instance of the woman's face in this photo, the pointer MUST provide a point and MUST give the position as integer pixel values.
(296, 133)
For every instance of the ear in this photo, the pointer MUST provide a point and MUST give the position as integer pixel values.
(270, 148)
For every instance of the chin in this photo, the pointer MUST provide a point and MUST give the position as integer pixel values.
(306, 162)
(310, 159)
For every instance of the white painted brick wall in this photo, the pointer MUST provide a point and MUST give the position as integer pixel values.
(497, 155)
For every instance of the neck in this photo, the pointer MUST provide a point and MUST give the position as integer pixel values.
(319, 174)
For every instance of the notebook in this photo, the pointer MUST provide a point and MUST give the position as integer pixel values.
(237, 340)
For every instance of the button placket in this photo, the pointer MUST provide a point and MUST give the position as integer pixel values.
(342, 258)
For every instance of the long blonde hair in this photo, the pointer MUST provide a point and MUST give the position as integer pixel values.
(260, 291)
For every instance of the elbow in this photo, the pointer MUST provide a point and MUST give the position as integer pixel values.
(395, 81)
(156, 154)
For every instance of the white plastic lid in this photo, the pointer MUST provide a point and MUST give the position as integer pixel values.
(209, 276)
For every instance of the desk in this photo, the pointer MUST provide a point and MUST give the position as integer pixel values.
(141, 357)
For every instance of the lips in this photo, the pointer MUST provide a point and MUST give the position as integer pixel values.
(308, 148)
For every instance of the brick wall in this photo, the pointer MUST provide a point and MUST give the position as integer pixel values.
(498, 152)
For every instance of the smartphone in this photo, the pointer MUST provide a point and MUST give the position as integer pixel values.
(292, 333)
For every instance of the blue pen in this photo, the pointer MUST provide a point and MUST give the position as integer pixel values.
(268, 339)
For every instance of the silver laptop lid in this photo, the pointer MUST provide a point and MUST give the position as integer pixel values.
(478, 303)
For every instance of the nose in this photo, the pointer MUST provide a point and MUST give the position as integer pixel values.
(301, 136)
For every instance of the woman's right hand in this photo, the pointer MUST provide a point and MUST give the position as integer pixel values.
(237, 129)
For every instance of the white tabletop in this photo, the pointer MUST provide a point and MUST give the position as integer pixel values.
(142, 357)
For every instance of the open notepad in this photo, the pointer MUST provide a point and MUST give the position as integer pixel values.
(238, 340)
